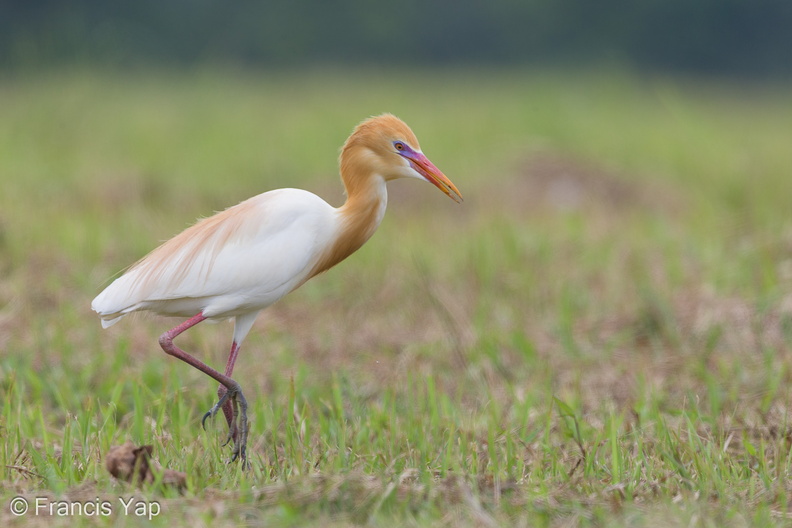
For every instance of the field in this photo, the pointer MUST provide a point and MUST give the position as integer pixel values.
(600, 335)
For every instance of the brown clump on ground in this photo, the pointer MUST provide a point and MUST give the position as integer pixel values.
(134, 464)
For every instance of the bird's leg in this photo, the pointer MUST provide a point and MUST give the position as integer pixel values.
(234, 392)
(228, 405)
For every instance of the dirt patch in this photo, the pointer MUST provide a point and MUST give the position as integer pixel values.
(561, 181)
(678, 346)
(702, 315)
(736, 323)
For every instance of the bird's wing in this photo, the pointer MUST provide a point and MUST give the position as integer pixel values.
(247, 256)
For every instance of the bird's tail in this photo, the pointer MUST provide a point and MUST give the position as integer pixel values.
(110, 321)
(109, 311)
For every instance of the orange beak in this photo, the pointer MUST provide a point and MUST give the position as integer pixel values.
(433, 175)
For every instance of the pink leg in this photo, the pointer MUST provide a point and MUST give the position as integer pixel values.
(232, 395)
(228, 410)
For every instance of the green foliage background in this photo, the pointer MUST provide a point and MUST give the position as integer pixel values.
(713, 36)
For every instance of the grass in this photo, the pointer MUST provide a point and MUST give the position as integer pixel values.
(600, 334)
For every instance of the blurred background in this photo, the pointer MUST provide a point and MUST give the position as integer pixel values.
(725, 37)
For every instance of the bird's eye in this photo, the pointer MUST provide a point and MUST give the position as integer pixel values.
(398, 145)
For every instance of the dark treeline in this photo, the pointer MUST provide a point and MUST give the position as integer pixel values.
(735, 37)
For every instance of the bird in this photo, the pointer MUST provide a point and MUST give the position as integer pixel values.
(243, 259)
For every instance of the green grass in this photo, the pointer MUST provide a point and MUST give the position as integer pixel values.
(599, 336)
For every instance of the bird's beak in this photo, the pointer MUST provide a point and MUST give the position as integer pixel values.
(427, 169)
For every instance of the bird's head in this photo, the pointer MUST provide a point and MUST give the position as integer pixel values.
(389, 148)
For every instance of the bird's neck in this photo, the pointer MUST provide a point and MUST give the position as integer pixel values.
(364, 209)
(358, 218)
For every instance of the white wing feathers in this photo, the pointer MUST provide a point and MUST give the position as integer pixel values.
(241, 259)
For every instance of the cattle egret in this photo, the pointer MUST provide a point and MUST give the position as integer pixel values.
(243, 259)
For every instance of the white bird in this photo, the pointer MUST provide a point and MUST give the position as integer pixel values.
(245, 258)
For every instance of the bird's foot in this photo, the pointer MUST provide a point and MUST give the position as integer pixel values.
(238, 428)
(216, 407)
(238, 432)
